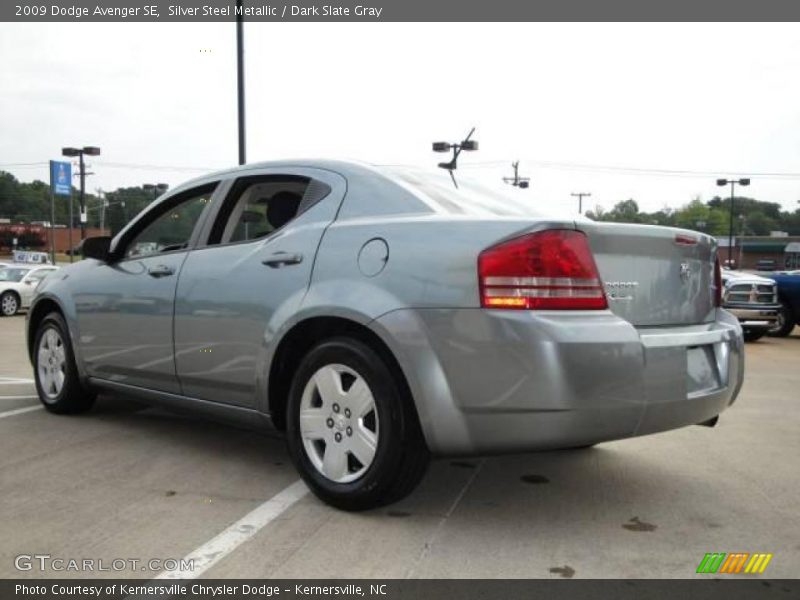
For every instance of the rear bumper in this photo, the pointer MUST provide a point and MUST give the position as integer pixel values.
(755, 318)
(504, 381)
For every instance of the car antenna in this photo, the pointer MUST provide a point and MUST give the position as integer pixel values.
(466, 144)
(516, 180)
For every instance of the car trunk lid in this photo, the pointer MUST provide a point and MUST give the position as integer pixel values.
(655, 275)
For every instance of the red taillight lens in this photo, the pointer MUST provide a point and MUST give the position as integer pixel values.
(547, 270)
(717, 283)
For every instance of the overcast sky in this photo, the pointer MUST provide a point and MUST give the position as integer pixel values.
(159, 98)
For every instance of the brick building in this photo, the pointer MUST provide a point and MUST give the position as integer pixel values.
(752, 252)
(37, 237)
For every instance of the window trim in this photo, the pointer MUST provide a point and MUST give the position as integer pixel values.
(153, 213)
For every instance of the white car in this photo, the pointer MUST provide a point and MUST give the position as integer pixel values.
(18, 284)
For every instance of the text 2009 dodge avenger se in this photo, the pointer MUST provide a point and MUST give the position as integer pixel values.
(380, 315)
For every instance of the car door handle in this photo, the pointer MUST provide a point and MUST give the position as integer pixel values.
(281, 259)
(160, 271)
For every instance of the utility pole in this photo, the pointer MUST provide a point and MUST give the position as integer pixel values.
(580, 196)
(517, 181)
(240, 79)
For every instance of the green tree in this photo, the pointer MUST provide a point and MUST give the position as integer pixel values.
(626, 211)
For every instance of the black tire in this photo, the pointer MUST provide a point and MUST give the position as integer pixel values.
(73, 397)
(785, 323)
(9, 304)
(400, 456)
(753, 335)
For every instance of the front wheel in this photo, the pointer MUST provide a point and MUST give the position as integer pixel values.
(57, 381)
(353, 432)
(785, 323)
(753, 335)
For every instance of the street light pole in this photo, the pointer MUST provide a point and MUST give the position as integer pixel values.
(745, 181)
(82, 197)
(79, 152)
(240, 79)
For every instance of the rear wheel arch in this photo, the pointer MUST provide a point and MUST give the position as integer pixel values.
(300, 339)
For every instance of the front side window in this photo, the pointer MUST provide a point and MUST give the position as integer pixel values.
(172, 228)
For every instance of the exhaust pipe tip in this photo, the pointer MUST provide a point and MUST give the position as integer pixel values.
(710, 423)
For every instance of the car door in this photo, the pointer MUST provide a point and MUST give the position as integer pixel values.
(248, 279)
(125, 307)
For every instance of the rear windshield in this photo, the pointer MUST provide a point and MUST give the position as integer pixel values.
(471, 197)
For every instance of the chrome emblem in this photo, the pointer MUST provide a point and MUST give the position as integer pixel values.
(621, 290)
(686, 271)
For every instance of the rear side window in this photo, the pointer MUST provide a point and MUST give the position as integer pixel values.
(258, 206)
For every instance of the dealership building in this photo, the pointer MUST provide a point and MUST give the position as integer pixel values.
(766, 252)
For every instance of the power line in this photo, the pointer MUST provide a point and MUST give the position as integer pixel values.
(638, 170)
(116, 165)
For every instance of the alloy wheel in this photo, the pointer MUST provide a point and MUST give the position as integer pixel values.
(339, 423)
(9, 305)
(779, 323)
(51, 363)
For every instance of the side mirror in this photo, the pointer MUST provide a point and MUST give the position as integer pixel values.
(96, 247)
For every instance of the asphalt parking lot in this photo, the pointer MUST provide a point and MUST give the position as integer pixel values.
(130, 482)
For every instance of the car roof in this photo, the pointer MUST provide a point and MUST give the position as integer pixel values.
(350, 169)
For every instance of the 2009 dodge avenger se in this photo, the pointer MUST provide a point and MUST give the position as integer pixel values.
(380, 315)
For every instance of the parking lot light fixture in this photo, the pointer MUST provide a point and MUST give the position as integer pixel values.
(156, 188)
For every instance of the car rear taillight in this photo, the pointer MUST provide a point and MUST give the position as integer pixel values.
(547, 270)
(717, 283)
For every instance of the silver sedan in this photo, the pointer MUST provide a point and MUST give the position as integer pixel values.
(380, 316)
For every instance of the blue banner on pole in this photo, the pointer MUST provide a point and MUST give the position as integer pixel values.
(61, 178)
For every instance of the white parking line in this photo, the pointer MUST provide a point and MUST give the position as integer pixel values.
(19, 411)
(17, 397)
(14, 380)
(210, 553)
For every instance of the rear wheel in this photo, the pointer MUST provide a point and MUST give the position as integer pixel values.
(57, 381)
(752, 335)
(352, 430)
(785, 323)
(9, 304)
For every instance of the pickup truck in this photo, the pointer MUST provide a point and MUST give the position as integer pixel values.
(753, 300)
(789, 299)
